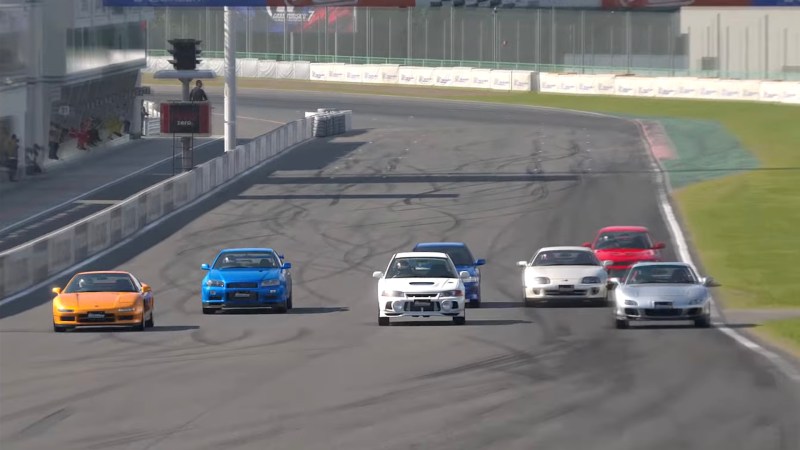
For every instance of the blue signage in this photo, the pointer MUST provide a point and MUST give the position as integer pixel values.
(189, 3)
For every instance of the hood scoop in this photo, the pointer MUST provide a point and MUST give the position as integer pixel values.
(421, 283)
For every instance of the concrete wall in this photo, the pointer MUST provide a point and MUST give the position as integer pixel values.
(743, 42)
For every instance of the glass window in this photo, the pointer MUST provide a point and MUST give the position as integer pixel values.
(460, 255)
(247, 260)
(623, 240)
(421, 268)
(670, 274)
(566, 258)
(101, 282)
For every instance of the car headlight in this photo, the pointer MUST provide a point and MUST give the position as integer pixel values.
(398, 306)
(447, 305)
(392, 294)
(127, 309)
(472, 279)
(631, 303)
(590, 280)
(697, 301)
(265, 283)
(538, 280)
(455, 293)
(215, 283)
(64, 310)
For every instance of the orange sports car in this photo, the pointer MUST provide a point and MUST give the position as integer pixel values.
(111, 298)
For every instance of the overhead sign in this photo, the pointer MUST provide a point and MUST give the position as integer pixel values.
(186, 118)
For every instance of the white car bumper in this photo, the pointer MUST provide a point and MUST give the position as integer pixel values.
(577, 291)
(404, 307)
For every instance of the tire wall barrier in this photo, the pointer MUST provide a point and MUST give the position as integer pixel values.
(33, 263)
(511, 80)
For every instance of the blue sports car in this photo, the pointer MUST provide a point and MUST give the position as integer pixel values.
(247, 278)
(461, 256)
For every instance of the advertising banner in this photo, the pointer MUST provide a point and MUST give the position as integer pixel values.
(296, 19)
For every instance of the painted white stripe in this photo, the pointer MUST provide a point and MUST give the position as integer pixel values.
(685, 255)
(253, 118)
(98, 202)
(99, 188)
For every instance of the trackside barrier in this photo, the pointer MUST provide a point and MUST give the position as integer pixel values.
(32, 263)
(527, 81)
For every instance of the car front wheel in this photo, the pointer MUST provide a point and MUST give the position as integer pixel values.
(703, 322)
(383, 321)
(459, 320)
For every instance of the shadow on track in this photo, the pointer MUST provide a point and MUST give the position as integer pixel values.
(470, 322)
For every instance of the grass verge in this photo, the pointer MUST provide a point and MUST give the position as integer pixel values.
(743, 225)
(784, 332)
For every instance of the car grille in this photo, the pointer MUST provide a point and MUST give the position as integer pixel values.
(421, 295)
(84, 318)
(242, 285)
(414, 306)
(572, 293)
(663, 312)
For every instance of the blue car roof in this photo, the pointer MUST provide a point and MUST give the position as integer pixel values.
(251, 249)
(441, 244)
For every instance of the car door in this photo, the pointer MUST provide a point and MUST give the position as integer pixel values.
(287, 274)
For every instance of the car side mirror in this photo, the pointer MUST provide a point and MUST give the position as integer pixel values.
(608, 263)
(146, 288)
(287, 265)
(377, 274)
(522, 263)
(659, 245)
(480, 262)
(587, 244)
(463, 275)
(56, 290)
(613, 283)
(205, 267)
(710, 282)
(280, 255)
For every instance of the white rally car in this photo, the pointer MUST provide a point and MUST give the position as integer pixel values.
(421, 284)
(564, 273)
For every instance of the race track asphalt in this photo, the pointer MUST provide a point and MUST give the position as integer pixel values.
(325, 376)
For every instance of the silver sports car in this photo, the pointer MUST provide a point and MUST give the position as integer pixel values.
(662, 291)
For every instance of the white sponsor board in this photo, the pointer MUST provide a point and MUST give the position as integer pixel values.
(522, 80)
(371, 74)
(501, 80)
(443, 76)
(481, 78)
(462, 77)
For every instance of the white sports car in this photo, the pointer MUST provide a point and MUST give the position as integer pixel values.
(662, 291)
(421, 284)
(564, 273)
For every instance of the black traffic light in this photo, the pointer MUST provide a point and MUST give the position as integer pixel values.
(185, 53)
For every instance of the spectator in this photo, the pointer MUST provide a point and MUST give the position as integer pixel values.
(198, 94)
(55, 141)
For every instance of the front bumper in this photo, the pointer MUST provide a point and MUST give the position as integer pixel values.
(97, 318)
(555, 291)
(472, 291)
(239, 298)
(453, 307)
(683, 312)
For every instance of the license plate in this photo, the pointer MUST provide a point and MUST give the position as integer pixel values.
(242, 295)
(663, 305)
(96, 316)
(423, 303)
(565, 287)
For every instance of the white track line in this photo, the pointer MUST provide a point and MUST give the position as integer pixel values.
(679, 239)
(136, 235)
(97, 189)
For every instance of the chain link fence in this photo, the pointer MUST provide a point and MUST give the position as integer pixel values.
(582, 41)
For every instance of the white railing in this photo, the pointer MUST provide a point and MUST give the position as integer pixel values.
(35, 262)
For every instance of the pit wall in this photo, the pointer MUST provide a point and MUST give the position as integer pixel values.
(29, 265)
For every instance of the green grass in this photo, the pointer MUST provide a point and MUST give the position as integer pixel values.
(785, 332)
(744, 226)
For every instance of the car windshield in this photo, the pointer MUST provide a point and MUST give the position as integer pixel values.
(623, 239)
(247, 260)
(460, 255)
(677, 274)
(111, 282)
(421, 268)
(565, 258)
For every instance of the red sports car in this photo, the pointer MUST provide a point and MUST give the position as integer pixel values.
(624, 246)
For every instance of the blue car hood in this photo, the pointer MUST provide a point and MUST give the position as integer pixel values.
(244, 275)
